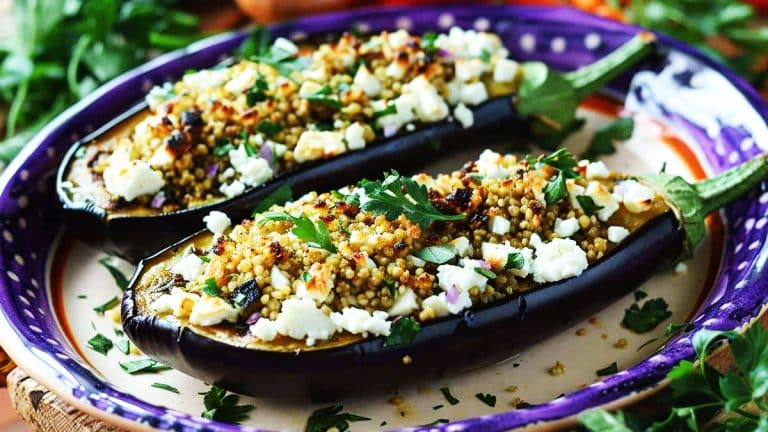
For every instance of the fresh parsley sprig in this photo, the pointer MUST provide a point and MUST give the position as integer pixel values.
(258, 47)
(223, 407)
(314, 233)
(564, 164)
(330, 417)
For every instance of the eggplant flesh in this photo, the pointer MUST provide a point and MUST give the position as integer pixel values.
(479, 337)
(133, 237)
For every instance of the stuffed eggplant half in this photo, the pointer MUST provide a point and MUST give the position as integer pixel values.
(408, 277)
(221, 137)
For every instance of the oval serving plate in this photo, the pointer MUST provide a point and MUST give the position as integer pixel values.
(44, 321)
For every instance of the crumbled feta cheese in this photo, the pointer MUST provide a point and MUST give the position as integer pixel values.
(617, 234)
(178, 302)
(453, 92)
(209, 311)
(405, 104)
(277, 279)
(300, 318)
(467, 69)
(574, 190)
(441, 306)
(317, 75)
(462, 246)
(228, 173)
(464, 115)
(319, 285)
(473, 94)
(396, 70)
(505, 70)
(636, 197)
(277, 149)
(681, 268)
(309, 88)
(404, 304)
(557, 260)
(158, 95)
(596, 170)
(430, 106)
(603, 198)
(499, 225)
(354, 136)
(162, 157)
(233, 189)
(398, 39)
(254, 170)
(264, 329)
(463, 278)
(360, 321)
(497, 255)
(286, 45)
(206, 79)
(130, 178)
(415, 261)
(318, 145)
(242, 82)
(367, 82)
(491, 165)
(566, 228)
(217, 222)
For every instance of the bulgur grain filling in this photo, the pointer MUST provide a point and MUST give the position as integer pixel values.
(347, 262)
(217, 132)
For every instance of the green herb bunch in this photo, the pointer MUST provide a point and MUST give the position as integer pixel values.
(61, 50)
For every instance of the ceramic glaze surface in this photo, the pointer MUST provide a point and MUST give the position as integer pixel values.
(722, 135)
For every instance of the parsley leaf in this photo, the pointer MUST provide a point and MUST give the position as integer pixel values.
(391, 286)
(223, 147)
(268, 128)
(122, 343)
(428, 42)
(437, 254)
(608, 370)
(100, 343)
(314, 233)
(485, 273)
(388, 110)
(222, 407)
(165, 387)
(555, 190)
(397, 195)
(588, 204)
(323, 96)
(485, 55)
(100, 309)
(278, 196)
(436, 422)
(487, 399)
(562, 160)
(515, 260)
(258, 48)
(211, 288)
(646, 318)
(120, 279)
(672, 330)
(257, 93)
(330, 417)
(403, 331)
(448, 396)
(604, 137)
(146, 365)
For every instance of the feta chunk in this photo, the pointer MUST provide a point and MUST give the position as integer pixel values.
(209, 311)
(319, 285)
(603, 198)
(617, 234)
(636, 197)
(597, 170)
(367, 82)
(130, 178)
(398, 39)
(557, 260)
(681, 268)
(253, 170)
(404, 304)
(473, 94)
(497, 255)
(430, 106)
(233, 189)
(314, 145)
(396, 70)
(217, 222)
(317, 75)
(462, 246)
(464, 115)
(442, 306)
(286, 45)
(574, 190)
(300, 319)
(309, 88)
(499, 225)
(354, 136)
(566, 228)
(162, 157)
(188, 267)
(463, 278)
(415, 261)
(359, 321)
(277, 279)
(468, 69)
(264, 329)
(178, 302)
(505, 70)
(242, 81)
(492, 165)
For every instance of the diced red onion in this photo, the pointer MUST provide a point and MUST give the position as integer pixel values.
(266, 153)
(390, 130)
(158, 201)
(212, 170)
(452, 295)
(444, 53)
(482, 264)
(253, 318)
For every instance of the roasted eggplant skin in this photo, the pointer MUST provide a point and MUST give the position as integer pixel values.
(479, 337)
(134, 237)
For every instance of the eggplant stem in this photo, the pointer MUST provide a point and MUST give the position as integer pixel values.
(720, 190)
(589, 78)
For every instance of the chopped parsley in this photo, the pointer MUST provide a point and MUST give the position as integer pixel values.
(257, 93)
(428, 42)
(278, 196)
(588, 204)
(211, 288)
(672, 330)
(437, 254)
(608, 370)
(602, 142)
(323, 96)
(403, 331)
(223, 147)
(250, 150)
(561, 160)
(388, 110)
(122, 343)
(268, 128)
(437, 407)
(487, 399)
(485, 55)
(555, 190)
(306, 277)
(222, 407)
(146, 365)
(391, 286)
(314, 233)
(117, 275)
(100, 343)
(330, 417)
(436, 422)
(448, 396)
(646, 318)
(109, 304)
(640, 294)
(257, 48)
(485, 272)
(167, 387)
(82, 296)
(515, 261)
(204, 258)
